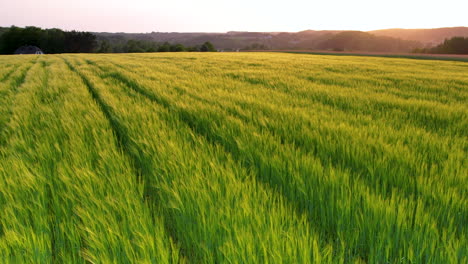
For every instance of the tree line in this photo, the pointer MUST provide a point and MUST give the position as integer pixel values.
(48, 40)
(139, 46)
(455, 45)
(363, 41)
(53, 41)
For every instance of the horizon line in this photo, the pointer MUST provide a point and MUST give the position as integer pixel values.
(233, 31)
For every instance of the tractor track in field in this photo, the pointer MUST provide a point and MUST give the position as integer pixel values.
(51, 220)
(188, 118)
(50, 211)
(9, 73)
(57, 246)
(131, 150)
(423, 119)
(232, 159)
(340, 104)
(361, 170)
(352, 165)
(131, 88)
(197, 125)
(15, 84)
(300, 208)
(13, 89)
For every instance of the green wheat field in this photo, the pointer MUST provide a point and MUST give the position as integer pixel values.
(233, 158)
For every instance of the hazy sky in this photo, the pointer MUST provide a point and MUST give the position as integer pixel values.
(240, 15)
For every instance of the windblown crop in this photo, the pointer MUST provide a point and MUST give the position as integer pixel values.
(233, 158)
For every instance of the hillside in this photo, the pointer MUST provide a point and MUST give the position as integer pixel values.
(395, 40)
(391, 40)
(363, 41)
(430, 37)
(309, 39)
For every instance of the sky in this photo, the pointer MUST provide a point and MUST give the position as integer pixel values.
(240, 15)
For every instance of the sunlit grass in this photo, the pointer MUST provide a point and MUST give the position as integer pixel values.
(237, 158)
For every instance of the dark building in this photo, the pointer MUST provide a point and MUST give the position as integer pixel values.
(29, 50)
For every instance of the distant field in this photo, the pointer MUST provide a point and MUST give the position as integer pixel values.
(233, 158)
(419, 56)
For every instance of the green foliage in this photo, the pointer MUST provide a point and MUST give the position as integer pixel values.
(243, 158)
(256, 46)
(165, 47)
(48, 40)
(143, 46)
(177, 48)
(362, 41)
(455, 45)
(207, 47)
(134, 46)
(104, 47)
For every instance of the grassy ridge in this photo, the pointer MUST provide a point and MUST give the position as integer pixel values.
(241, 158)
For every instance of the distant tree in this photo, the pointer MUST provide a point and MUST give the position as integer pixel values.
(193, 48)
(363, 41)
(48, 40)
(177, 48)
(420, 50)
(80, 42)
(31, 36)
(165, 47)
(105, 47)
(134, 46)
(9, 40)
(455, 45)
(207, 47)
(16, 37)
(58, 41)
(53, 41)
(256, 46)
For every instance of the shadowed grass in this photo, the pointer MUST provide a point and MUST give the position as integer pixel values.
(233, 158)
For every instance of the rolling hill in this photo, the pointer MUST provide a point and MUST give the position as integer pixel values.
(430, 37)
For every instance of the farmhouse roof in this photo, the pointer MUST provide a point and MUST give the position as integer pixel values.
(29, 50)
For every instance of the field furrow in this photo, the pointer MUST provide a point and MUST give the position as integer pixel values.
(8, 90)
(71, 195)
(400, 161)
(359, 99)
(6, 72)
(232, 158)
(214, 226)
(197, 117)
